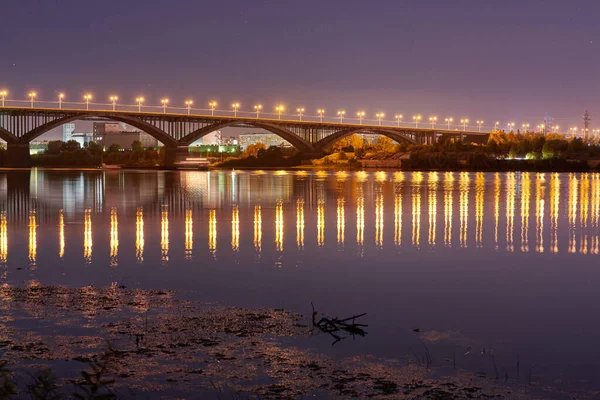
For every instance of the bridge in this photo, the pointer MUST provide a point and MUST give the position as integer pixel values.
(19, 125)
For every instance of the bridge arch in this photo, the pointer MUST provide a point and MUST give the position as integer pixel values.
(158, 134)
(295, 140)
(7, 136)
(328, 141)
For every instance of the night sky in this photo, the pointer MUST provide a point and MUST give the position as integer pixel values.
(506, 60)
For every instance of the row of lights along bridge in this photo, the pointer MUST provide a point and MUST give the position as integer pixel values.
(280, 111)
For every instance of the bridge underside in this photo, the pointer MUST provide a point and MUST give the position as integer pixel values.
(19, 126)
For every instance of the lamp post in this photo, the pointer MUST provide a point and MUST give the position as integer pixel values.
(398, 118)
(464, 123)
(139, 102)
(573, 131)
(61, 96)
(496, 126)
(189, 104)
(555, 128)
(341, 114)
(525, 127)
(416, 118)
(280, 108)
(212, 105)
(379, 117)
(257, 108)
(164, 102)
(3, 96)
(113, 101)
(87, 99)
(432, 120)
(321, 113)
(449, 120)
(360, 115)
(32, 97)
(300, 111)
(511, 126)
(235, 107)
(479, 123)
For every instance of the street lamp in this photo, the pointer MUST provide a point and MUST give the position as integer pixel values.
(32, 97)
(511, 126)
(257, 108)
(416, 118)
(496, 126)
(360, 115)
(189, 104)
(87, 99)
(379, 117)
(449, 120)
(464, 123)
(300, 111)
(235, 107)
(212, 105)
(479, 123)
(341, 114)
(525, 127)
(555, 128)
(61, 96)
(573, 131)
(113, 101)
(280, 109)
(3, 96)
(139, 102)
(432, 120)
(321, 113)
(542, 128)
(398, 118)
(164, 102)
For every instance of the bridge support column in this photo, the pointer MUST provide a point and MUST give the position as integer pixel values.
(17, 155)
(174, 154)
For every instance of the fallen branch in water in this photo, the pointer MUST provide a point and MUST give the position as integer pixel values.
(337, 327)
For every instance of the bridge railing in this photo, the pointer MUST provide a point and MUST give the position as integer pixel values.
(230, 113)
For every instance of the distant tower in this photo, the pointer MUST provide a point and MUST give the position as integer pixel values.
(548, 124)
(586, 124)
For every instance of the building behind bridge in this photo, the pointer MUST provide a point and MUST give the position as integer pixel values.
(268, 139)
(108, 133)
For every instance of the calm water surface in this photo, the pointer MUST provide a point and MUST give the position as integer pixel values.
(506, 262)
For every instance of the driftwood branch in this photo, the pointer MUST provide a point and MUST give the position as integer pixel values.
(338, 328)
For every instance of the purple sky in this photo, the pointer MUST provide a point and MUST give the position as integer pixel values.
(509, 60)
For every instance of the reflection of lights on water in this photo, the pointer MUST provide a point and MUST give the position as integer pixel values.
(573, 197)
(321, 222)
(379, 217)
(164, 233)
(448, 207)
(139, 235)
(360, 216)
(497, 189)
(32, 238)
(341, 176)
(540, 210)
(341, 221)
(235, 228)
(257, 228)
(510, 210)
(114, 237)
(479, 208)
(87, 236)
(525, 203)
(584, 202)
(279, 226)
(61, 234)
(361, 176)
(380, 176)
(595, 207)
(300, 224)
(432, 183)
(212, 232)
(189, 234)
(416, 215)
(3, 238)
(554, 208)
(398, 213)
(464, 187)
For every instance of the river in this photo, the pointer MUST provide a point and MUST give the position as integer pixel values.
(476, 263)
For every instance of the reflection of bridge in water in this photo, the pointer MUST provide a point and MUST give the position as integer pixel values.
(513, 212)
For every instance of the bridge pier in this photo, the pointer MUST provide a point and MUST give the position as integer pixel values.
(174, 154)
(17, 155)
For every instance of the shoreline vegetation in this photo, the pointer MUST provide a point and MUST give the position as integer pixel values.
(503, 152)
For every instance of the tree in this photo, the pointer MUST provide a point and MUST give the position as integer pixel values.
(137, 145)
(71, 145)
(94, 148)
(384, 144)
(253, 149)
(548, 151)
(357, 142)
(114, 148)
(54, 147)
